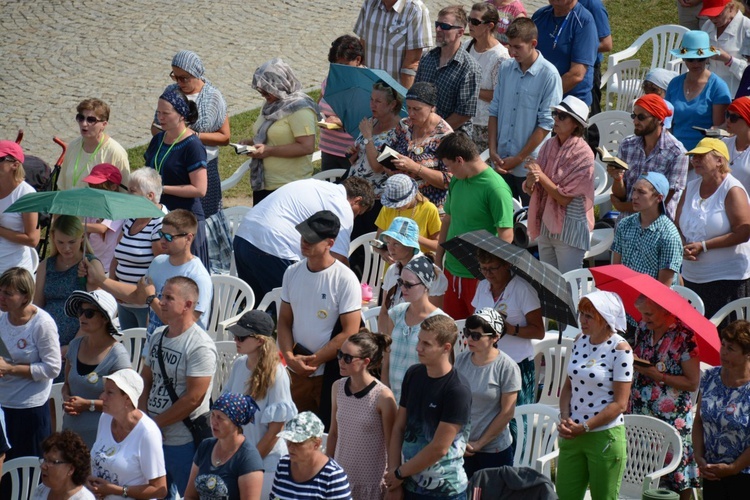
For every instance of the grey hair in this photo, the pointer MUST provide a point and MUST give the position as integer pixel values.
(148, 181)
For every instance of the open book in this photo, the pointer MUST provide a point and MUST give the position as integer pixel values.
(329, 126)
(242, 149)
(641, 362)
(387, 156)
(713, 132)
(611, 161)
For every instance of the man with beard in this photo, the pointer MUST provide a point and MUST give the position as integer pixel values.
(651, 149)
(452, 70)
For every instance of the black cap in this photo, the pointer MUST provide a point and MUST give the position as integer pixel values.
(253, 322)
(320, 226)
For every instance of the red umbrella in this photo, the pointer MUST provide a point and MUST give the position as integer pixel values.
(629, 285)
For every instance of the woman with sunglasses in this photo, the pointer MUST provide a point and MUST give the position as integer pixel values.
(593, 446)
(700, 97)
(561, 185)
(93, 147)
(258, 373)
(404, 321)
(19, 234)
(495, 381)
(93, 354)
(738, 124)
(30, 335)
(727, 30)
(285, 131)
(178, 155)
(65, 465)
(362, 415)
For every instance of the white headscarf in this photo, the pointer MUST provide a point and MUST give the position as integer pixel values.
(609, 305)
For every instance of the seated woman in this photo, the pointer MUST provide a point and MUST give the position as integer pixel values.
(307, 473)
(721, 436)
(57, 275)
(93, 354)
(65, 465)
(30, 335)
(104, 233)
(93, 147)
(19, 233)
(495, 381)
(417, 139)
(227, 465)
(127, 459)
(137, 246)
(285, 131)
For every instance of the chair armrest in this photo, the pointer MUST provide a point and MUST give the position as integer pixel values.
(603, 197)
(223, 325)
(674, 64)
(618, 57)
(236, 177)
(542, 463)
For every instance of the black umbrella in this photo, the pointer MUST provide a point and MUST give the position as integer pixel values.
(553, 290)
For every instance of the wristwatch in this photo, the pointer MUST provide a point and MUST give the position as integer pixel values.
(398, 475)
(586, 427)
(92, 406)
(365, 142)
(150, 299)
(124, 492)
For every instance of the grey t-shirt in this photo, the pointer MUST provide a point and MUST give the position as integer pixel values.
(190, 354)
(488, 383)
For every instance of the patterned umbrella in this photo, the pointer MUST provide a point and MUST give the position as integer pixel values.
(553, 290)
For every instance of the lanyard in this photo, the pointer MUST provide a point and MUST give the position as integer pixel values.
(156, 156)
(556, 36)
(76, 173)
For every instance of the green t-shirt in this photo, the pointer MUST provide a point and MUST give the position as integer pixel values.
(480, 202)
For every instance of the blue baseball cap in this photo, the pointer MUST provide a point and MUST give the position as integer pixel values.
(660, 183)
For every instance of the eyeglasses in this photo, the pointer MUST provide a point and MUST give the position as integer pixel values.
(170, 237)
(487, 270)
(560, 115)
(8, 158)
(44, 461)
(348, 358)
(446, 26)
(473, 335)
(732, 117)
(477, 22)
(406, 284)
(242, 339)
(88, 119)
(87, 313)
(641, 117)
(180, 79)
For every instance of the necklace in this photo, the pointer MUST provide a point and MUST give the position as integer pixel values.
(158, 165)
(218, 461)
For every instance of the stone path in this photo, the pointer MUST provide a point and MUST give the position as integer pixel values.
(53, 54)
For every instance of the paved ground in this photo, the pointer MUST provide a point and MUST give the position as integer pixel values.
(56, 53)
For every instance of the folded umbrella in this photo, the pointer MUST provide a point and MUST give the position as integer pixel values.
(629, 285)
(553, 290)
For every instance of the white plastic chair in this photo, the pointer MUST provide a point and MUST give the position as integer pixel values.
(692, 297)
(370, 318)
(34, 259)
(133, 339)
(231, 299)
(332, 175)
(236, 177)
(601, 241)
(550, 363)
(623, 85)
(536, 435)
(374, 265)
(55, 397)
(738, 308)
(602, 182)
(664, 38)
(227, 352)
(581, 283)
(24, 474)
(316, 156)
(272, 297)
(614, 126)
(234, 217)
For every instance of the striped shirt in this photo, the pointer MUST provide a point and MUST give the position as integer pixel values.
(333, 142)
(387, 34)
(575, 229)
(330, 483)
(134, 252)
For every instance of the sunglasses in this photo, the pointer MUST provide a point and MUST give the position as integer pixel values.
(640, 117)
(406, 284)
(181, 79)
(477, 22)
(88, 119)
(8, 158)
(446, 26)
(87, 313)
(242, 339)
(697, 59)
(170, 237)
(475, 336)
(348, 358)
(560, 115)
(732, 117)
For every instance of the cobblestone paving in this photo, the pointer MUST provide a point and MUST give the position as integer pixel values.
(55, 53)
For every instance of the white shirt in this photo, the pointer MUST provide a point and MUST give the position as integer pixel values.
(13, 254)
(731, 41)
(739, 161)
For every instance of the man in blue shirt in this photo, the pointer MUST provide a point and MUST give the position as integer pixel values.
(568, 39)
(527, 87)
(604, 32)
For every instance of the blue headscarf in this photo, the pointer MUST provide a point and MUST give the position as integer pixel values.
(239, 408)
(177, 101)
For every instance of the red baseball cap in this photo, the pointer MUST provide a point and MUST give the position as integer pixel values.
(10, 148)
(713, 8)
(102, 173)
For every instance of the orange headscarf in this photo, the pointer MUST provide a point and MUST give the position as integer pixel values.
(655, 105)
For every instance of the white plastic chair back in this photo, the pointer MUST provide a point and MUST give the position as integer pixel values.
(537, 434)
(553, 363)
(133, 339)
(272, 297)
(236, 177)
(374, 265)
(332, 175)
(664, 38)
(24, 474)
(601, 241)
(581, 283)
(231, 298)
(55, 397)
(692, 297)
(234, 217)
(461, 345)
(227, 352)
(623, 85)
(737, 309)
(649, 439)
(34, 259)
(370, 318)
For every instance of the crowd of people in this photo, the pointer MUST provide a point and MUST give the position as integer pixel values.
(315, 405)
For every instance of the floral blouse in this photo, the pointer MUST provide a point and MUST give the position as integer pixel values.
(423, 152)
(361, 167)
